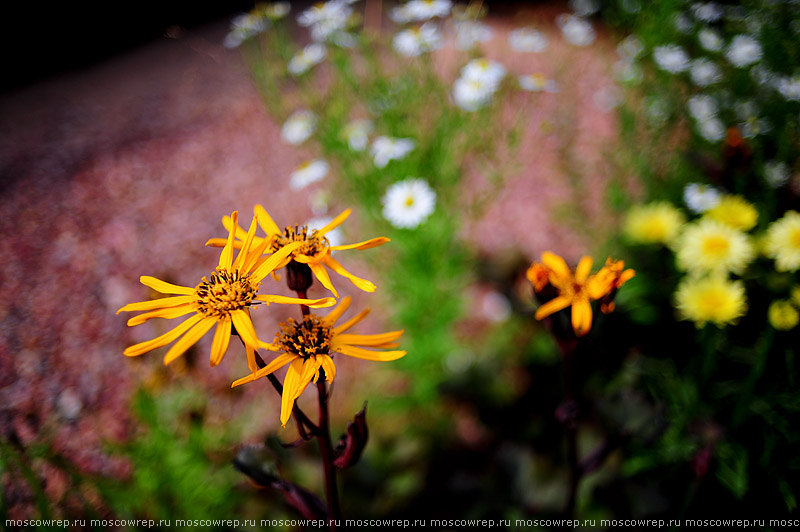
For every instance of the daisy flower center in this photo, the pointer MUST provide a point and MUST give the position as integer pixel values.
(313, 244)
(716, 246)
(308, 338)
(224, 293)
(409, 201)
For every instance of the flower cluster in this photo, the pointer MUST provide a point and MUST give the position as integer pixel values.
(224, 301)
(480, 79)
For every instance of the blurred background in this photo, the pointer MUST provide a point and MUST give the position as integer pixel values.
(127, 137)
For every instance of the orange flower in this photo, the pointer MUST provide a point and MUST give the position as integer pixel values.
(309, 346)
(576, 289)
(314, 249)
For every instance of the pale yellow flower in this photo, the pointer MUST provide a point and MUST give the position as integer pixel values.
(654, 223)
(783, 242)
(735, 212)
(783, 315)
(710, 246)
(712, 299)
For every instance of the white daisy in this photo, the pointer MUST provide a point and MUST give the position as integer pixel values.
(415, 41)
(472, 94)
(700, 198)
(777, 173)
(485, 70)
(704, 72)
(299, 127)
(577, 30)
(630, 47)
(537, 83)
(628, 72)
(408, 203)
(427, 9)
(277, 10)
(702, 106)
(470, 33)
(527, 40)
(357, 133)
(683, 23)
(385, 149)
(708, 11)
(671, 58)
(242, 28)
(751, 124)
(710, 40)
(744, 50)
(789, 87)
(711, 128)
(306, 58)
(307, 173)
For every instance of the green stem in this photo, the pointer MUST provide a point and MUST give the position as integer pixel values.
(326, 452)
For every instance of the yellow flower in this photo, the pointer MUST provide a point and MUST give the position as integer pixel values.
(310, 345)
(576, 289)
(714, 298)
(735, 212)
(710, 246)
(795, 294)
(314, 249)
(783, 242)
(224, 301)
(654, 223)
(782, 315)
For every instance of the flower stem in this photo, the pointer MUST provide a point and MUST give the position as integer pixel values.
(567, 414)
(326, 451)
(303, 308)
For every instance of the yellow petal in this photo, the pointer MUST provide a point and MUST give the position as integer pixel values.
(313, 303)
(275, 365)
(367, 244)
(329, 367)
(335, 314)
(222, 336)
(310, 369)
(226, 257)
(248, 241)
(167, 313)
(363, 284)
(228, 224)
(336, 222)
(556, 264)
(189, 339)
(164, 339)
(274, 261)
(252, 257)
(266, 222)
(244, 326)
(552, 306)
(290, 386)
(583, 269)
(366, 339)
(217, 242)
(322, 274)
(366, 354)
(165, 288)
(581, 316)
(352, 321)
(156, 303)
(250, 354)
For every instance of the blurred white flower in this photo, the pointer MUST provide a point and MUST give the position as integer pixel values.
(708, 11)
(751, 124)
(326, 20)
(763, 76)
(702, 106)
(418, 10)
(484, 69)
(307, 173)
(608, 98)
(334, 236)
(777, 173)
(306, 58)
(298, 127)
(671, 58)
(710, 40)
(789, 87)
(415, 41)
(385, 149)
(527, 40)
(683, 23)
(471, 32)
(627, 71)
(584, 8)
(630, 48)
(357, 133)
(408, 203)
(743, 51)
(277, 10)
(700, 198)
(704, 72)
(537, 83)
(496, 307)
(657, 110)
(711, 128)
(243, 27)
(577, 30)
(472, 94)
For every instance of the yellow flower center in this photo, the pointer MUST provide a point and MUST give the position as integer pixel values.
(409, 201)
(312, 244)
(716, 246)
(309, 338)
(224, 293)
(795, 238)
